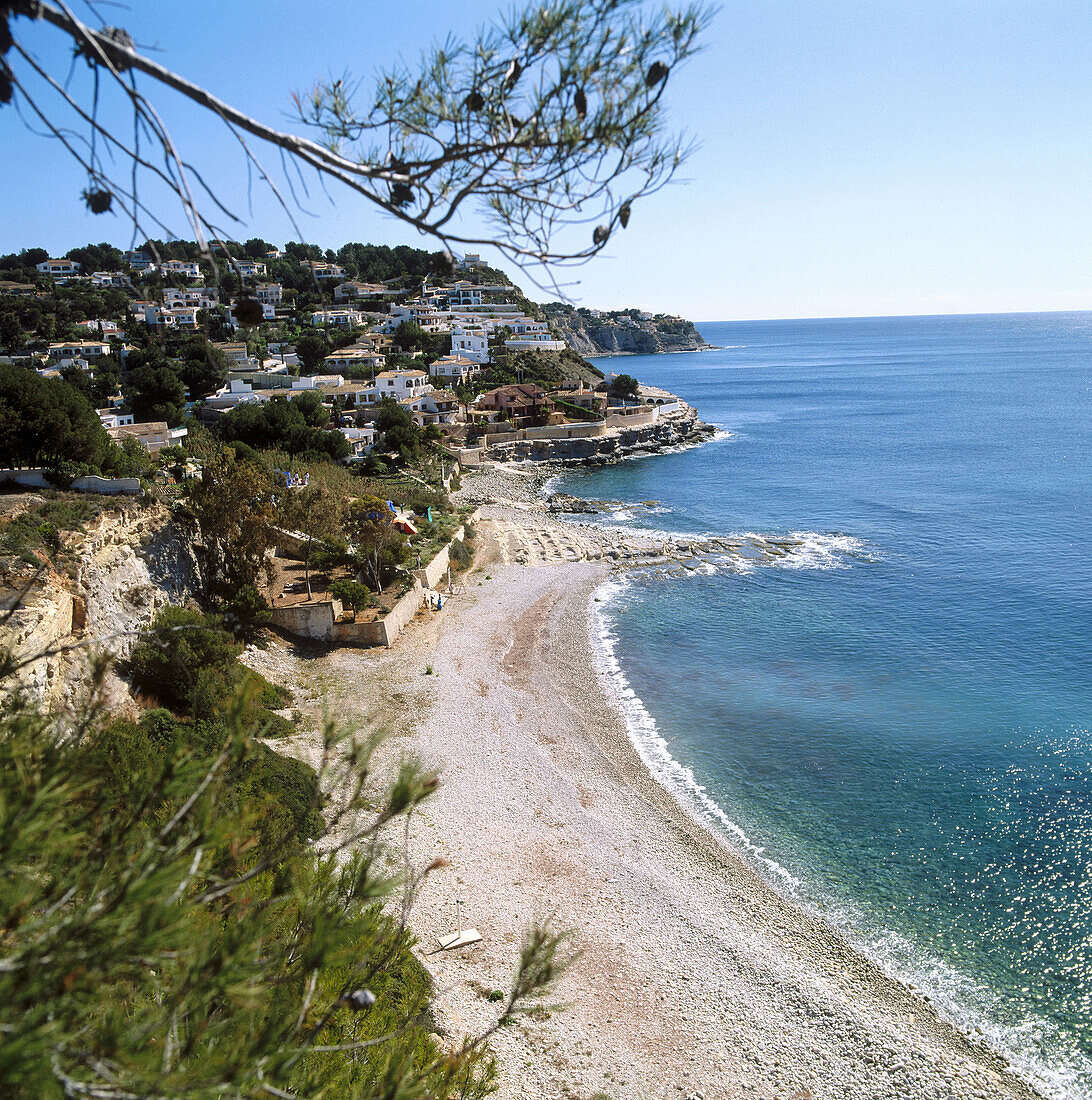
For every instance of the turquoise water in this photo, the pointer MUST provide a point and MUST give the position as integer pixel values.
(894, 720)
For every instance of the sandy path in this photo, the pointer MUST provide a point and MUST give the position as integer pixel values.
(696, 979)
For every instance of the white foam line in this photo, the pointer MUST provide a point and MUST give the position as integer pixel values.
(965, 1004)
(649, 743)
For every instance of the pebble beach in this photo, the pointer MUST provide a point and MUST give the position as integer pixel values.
(695, 977)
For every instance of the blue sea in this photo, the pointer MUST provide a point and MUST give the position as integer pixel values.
(892, 720)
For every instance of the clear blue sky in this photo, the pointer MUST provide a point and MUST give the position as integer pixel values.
(858, 156)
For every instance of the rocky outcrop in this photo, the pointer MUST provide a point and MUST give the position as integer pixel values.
(623, 333)
(126, 567)
(604, 449)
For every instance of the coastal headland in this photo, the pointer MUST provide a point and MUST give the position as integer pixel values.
(696, 978)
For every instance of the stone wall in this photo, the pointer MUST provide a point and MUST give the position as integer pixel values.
(34, 477)
(317, 621)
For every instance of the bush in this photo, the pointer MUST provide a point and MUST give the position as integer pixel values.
(188, 662)
(459, 554)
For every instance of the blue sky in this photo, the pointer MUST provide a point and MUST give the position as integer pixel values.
(857, 158)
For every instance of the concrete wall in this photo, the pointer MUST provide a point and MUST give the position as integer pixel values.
(432, 573)
(34, 477)
(309, 620)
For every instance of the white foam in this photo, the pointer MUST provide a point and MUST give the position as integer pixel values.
(967, 1005)
(650, 744)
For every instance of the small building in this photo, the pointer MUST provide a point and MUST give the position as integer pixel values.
(269, 293)
(520, 399)
(201, 297)
(58, 268)
(455, 369)
(364, 358)
(353, 289)
(154, 434)
(249, 268)
(339, 317)
(111, 418)
(69, 349)
(190, 268)
(400, 384)
(137, 260)
(110, 278)
(320, 269)
(470, 342)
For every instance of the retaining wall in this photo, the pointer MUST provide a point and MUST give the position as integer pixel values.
(34, 477)
(310, 620)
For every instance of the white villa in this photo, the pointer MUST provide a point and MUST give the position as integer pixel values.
(73, 349)
(190, 268)
(58, 268)
(454, 369)
(201, 297)
(269, 293)
(470, 342)
(347, 317)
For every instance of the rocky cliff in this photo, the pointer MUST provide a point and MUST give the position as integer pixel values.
(121, 571)
(628, 332)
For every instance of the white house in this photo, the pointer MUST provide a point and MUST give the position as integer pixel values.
(401, 384)
(347, 317)
(346, 292)
(137, 260)
(320, 269)
(111, 418)
(110, 278)
(454, 369)
(250, 268)
(61, 268)
(103, 328)
(70, 349)
(470, 342)
(269, 293)
(355, 357)
(190, 268)
(155, 435)
(268, 313)
(361, 440)
(200, 297)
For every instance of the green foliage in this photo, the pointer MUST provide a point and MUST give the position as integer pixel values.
(232, 505)
(459, 554)
(44, 420)
(37, 533)
(377, 545)
(624, 386)
(312, 349)
(203, 367)
(398, 432)
(154, 388)
(187, 662)
(352, 594)
(287, 425)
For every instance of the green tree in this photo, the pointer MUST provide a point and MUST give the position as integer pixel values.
(315, 511)
(378, 546)
(398, 431)
(312, 349)
(47, 420)
(232, 505)
(187, 662)
(624, 386)
(153, 388)
(203, 367)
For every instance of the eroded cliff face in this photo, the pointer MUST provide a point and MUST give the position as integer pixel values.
(125, 568)
(622, 334)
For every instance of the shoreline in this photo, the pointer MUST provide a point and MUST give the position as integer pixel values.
(698, 978)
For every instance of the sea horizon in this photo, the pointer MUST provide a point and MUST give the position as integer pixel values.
(891, 721)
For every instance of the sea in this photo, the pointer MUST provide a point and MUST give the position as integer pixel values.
(890, 716)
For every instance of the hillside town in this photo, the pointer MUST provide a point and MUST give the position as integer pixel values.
(162, 337)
